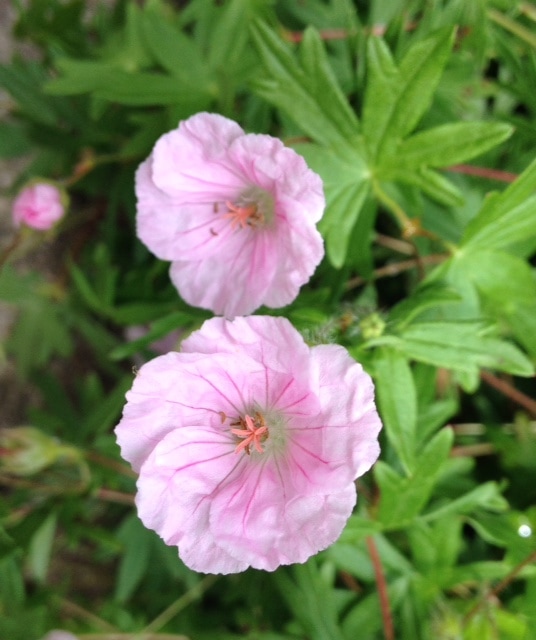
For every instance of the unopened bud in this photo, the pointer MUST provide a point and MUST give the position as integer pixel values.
(372, 326)
(40, 205)
(26, 450)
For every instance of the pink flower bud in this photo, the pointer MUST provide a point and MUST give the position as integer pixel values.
(39, 206)
(58, 634)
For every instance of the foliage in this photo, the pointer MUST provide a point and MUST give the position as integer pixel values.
(428, 280)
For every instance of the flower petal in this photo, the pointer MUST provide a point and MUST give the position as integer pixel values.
(191, 163)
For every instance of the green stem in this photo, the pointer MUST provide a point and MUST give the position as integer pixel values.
(185, 600)
(402, 217)
(514, 27)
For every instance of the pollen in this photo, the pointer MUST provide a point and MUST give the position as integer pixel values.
(253, 432)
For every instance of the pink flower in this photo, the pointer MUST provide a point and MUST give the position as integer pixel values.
(247, 444)
(235, 214)
(38, 206)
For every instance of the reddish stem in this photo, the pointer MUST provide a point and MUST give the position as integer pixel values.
(396, 268)
(385, 607)
(483, 172)
(510, 391)
(109, 495)
(500, 586)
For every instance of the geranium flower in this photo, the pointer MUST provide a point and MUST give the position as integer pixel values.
(234, 212)
(39, 206)
(247, 444)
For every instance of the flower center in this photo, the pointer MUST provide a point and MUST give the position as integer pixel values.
(254, 207)
(248, 215)
(253, 432)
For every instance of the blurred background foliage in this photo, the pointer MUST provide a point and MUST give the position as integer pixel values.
(420, 117)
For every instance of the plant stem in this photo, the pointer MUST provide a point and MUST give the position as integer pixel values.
(508, 579)
(510, 391)
(73, 609)
(109, 495)
(396, 268)
(176, 607)
(387, 619)
(110, 463)
(483, 172)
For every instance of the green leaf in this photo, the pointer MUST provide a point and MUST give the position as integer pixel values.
(506, 218)
(425, 297)
(310, 600)
(485, 496)
(427, 180)
(346, 186)
(397, 401)
(137, 541)
(403, 498)
(104, 80)
(450, 144)
(13, 141)
(175, 52)
(396, 99)
(307, 91)
(463, 346)
(24, 80)
(508, 289)
(40, 549)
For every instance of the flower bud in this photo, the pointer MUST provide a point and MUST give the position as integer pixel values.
(40, 205)
(26, 450)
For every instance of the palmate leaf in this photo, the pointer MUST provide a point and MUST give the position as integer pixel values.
(464, 346)
(346, 186)
(506, 219)
(307, 91)
(397, 98)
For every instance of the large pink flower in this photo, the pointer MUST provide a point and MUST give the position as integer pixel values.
(235, 214)
(247, 444)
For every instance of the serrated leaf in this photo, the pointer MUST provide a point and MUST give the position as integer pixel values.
(463, 346)
(396, 99)
(307, 92)
(403, 498)
(137, 541)
(346, 186)
(397, 400)
(508, 289)
(429, 181)
(424, 298)
(449, 144)
(174, 51)
(485, 496)
(505, 218)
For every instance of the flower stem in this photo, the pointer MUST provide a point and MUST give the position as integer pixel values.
(72, 609)
(176, 607)
(4, 256)
(387, 619)
(409, 226)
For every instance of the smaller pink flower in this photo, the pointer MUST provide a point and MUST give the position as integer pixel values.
(38, 206)
(235, 213)
(247, 443)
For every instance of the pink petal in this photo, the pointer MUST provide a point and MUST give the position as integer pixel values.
(190, 163)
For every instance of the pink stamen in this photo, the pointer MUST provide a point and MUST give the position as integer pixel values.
(252, 434)
(243, 216)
